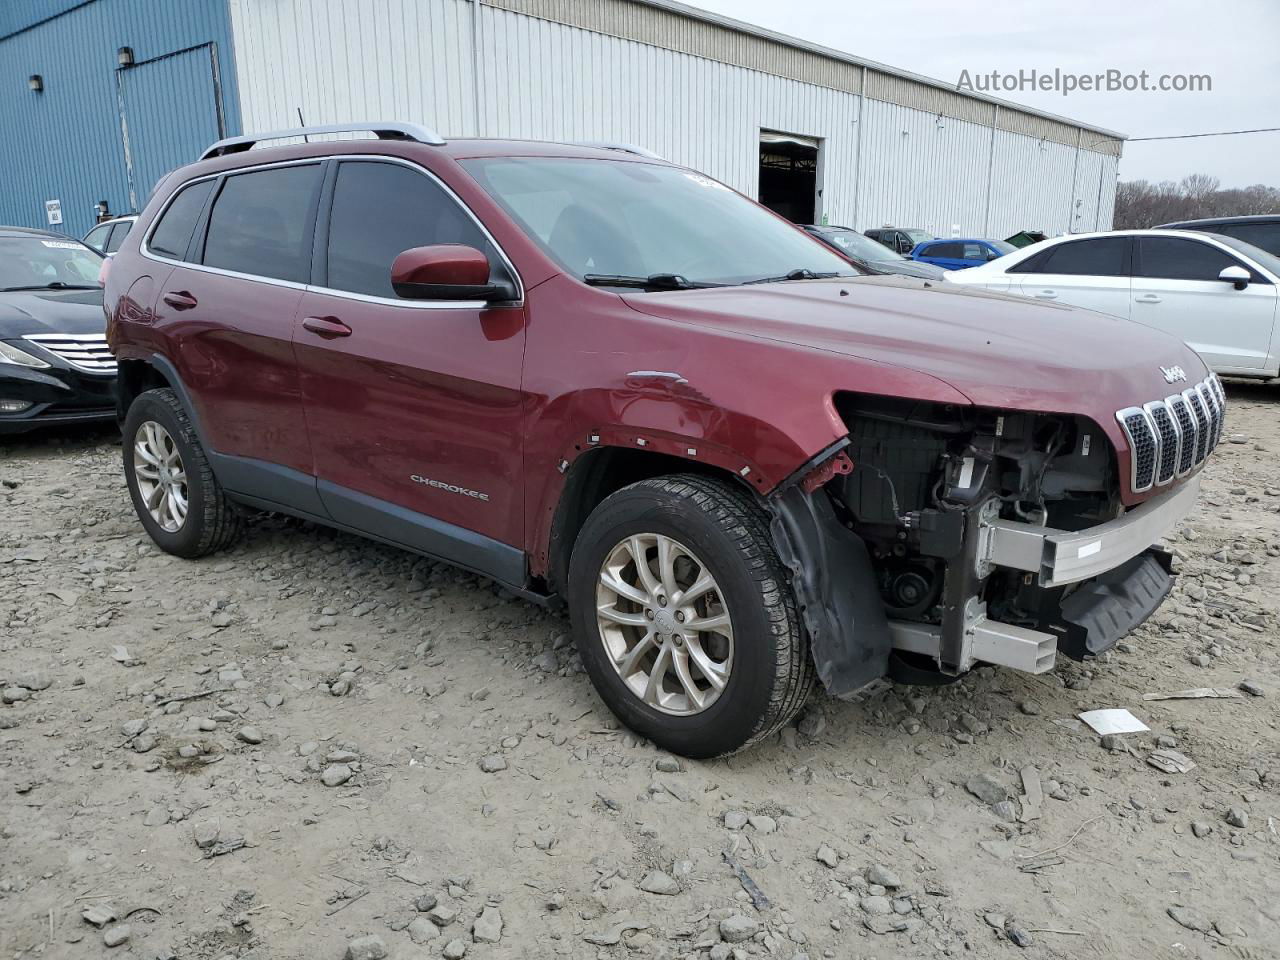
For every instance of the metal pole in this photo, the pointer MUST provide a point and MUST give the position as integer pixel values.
(991, 168)
(1075, 169)
(857, 150)
(476, 72)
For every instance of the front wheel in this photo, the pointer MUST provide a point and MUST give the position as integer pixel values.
(683, 616)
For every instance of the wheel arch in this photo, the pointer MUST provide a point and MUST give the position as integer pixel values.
(596, 474)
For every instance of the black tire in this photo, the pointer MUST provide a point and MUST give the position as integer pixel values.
(772, 672)
(212, 522)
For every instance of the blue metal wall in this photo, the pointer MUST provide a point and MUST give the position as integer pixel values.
(69, 142)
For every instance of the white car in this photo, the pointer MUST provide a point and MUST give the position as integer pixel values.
(107, 236)
(1217, 293)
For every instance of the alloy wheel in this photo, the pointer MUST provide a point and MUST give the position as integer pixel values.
(664, 623)
(162, 479)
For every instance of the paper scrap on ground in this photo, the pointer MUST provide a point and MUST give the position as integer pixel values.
(1171, 761)
(1195, 693)
(1103, 722)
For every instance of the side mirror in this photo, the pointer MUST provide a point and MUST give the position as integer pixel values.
(1235, 275)
(446, 271)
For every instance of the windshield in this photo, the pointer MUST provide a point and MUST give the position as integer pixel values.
(47, 261)
(623, 219)
(918, 236)
(862, 247)
(1256, 254)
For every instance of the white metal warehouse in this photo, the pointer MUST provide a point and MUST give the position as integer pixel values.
(869, 144)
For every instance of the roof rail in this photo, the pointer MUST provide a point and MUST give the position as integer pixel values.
(383, 130)
(614, 145)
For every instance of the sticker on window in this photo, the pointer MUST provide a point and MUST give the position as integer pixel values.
(702, 181)
(61, 244)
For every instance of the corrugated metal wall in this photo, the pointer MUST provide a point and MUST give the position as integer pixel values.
(67, 142)
(539, 77)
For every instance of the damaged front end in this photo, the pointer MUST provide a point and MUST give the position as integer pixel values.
(936, 537)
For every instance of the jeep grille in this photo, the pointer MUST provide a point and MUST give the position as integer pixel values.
(1170, 437)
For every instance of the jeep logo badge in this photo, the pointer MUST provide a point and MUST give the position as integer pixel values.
(1173, 374)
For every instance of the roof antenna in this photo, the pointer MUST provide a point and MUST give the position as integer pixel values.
(302, 123)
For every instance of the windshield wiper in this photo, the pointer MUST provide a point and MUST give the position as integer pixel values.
(56, 285)
(803, 273)
(655, 281)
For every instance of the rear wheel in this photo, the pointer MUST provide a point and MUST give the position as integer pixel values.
(174, 491)
(683, 616)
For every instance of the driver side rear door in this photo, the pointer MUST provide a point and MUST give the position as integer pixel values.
(415, 407)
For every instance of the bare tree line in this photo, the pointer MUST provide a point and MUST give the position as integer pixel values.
(1141, 204)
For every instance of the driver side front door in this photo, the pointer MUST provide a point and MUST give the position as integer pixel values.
(415, 406)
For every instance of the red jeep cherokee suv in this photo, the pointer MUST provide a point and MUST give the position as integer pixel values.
(592, 375)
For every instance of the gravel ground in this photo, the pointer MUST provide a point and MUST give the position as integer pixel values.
(316, 747)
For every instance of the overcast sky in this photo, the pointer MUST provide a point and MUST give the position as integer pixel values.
(1236, 42)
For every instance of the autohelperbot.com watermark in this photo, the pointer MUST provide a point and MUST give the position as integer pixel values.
(1066, 82)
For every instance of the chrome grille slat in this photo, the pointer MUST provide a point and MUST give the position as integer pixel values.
(1169, 437)
(85, 351)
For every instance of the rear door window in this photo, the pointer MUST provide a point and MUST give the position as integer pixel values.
(173, 233)
(1171, 258)
(379, 211)
(944, 251)
(261, 223)
(1102, 257)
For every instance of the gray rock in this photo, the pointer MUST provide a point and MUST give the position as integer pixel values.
(156, 817)
(114, 936)
(656, 881)
(546, 662)
(812, 724)
(132, 728)
(986, 789)
(877, 923)
(443, 915)
(1030, 708)
(1252, 688)
(880, 906)
(735, 819)
(1018, 936)
(669, 765)
(422, 930)
(1237, 817)
(336, 775)
(488, 926)
(249, 734)
(15, 694)
(425, 903)
(1201, 828)
(340, 688)
(883, 876)
(145, 743)
(366, 948)
(493, 763)
(455, 950)
(762, 824)
(827, 856)
(738, 927)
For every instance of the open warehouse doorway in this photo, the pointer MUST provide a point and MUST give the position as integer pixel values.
(789, 167)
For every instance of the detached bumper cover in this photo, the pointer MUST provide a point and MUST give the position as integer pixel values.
(1059, 557)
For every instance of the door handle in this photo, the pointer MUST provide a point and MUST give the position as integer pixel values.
(1148, 298)
(1047, 295)
(327, 327)
(179, 299)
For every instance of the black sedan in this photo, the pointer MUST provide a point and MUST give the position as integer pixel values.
(55, 366)
(870, 255)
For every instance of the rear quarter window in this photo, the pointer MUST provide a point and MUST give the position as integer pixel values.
(172, 233)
